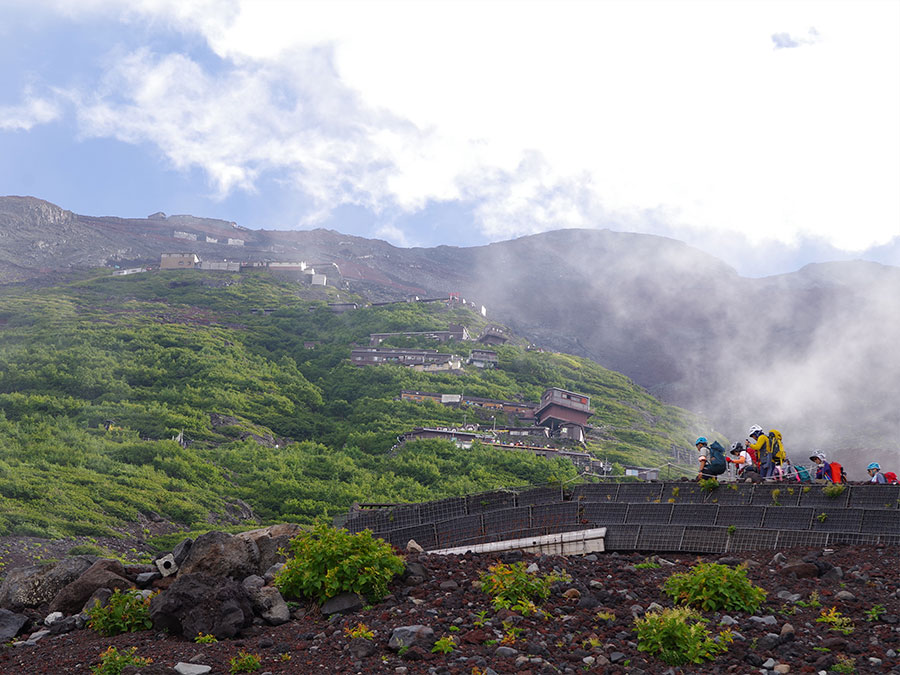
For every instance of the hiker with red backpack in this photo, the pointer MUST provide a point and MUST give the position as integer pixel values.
(760, 449)
(891, 478)
(831, 472)
(743, 462)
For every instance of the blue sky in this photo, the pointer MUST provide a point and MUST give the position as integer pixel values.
(764, 133)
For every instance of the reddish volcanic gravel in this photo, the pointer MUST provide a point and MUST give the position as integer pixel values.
(570, 638)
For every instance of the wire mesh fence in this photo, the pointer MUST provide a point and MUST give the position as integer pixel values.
(645, 516)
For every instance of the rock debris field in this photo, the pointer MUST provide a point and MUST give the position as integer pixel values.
(586, 625)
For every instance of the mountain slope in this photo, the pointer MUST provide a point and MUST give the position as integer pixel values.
(98, 376)
(811, 353)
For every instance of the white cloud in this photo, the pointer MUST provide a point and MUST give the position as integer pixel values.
(542, 115)
(31, 112)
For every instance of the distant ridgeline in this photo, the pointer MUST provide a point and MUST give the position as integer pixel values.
(177, 393)
(653, 516)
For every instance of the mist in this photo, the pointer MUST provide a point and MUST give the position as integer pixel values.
(814, 353)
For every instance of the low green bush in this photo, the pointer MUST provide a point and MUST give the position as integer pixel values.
(712, 587)
(512, 587)
(127, 612)
(113, 662)
(325, 561)
(678, 636)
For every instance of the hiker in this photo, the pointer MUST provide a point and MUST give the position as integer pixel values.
(763, 451)
(874, 470)
(712, 458)
(831, 472)
(743, 462)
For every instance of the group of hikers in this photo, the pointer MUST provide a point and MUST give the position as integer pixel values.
(762, 457)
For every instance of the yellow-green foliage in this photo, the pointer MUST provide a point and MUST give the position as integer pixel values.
(712, 587)
(678, 636)
(127, 612)
(512, 587)
(326, 561)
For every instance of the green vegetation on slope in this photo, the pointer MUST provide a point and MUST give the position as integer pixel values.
(294, 432)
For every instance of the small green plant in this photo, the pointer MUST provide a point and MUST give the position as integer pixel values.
(776, 493)
(204, 639)
(605, 616)
(678, 636)
(648, 565)
(244, 662)
(512, 587)
(874, 614)
(837, 621)
(510, 634)
(453, 629)
(112, 662)
(592, 642)
(712, 587)
(490, 643)
(481, 618)
(844, 664)
(731, 530)
(822, 517)
(126, 612)
(285, 656)
(360, 630)
(813, 601)
(325, 561)
(806, 489)
(444, 645)
(834, 490)
(675, 491)
(709, 484)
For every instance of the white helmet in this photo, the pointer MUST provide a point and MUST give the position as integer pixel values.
(817, 454)
(755, 429)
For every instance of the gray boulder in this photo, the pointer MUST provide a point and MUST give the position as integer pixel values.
(10, 624)
(200, 603)
(411, 636)
(102, 574)
(220, 554)
(268, 604)
(343, 603)
(34, 585)
(269, 540)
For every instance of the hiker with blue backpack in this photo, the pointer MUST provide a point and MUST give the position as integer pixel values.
(712, 458)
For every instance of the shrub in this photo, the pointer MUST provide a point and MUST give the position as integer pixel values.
(714, 587)
(837, 621)
(112, 662)
(204, 639)
(444, 645)
(361, 630)
(127, 612)
(677, 636)
(512, 587)
(834, 491)
(244, 662)
(325, 562)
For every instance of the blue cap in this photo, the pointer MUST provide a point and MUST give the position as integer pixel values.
(700, 440)
(874, 465)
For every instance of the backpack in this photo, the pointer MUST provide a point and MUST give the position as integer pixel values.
(890, 477)
(802, 474)
(776, 446)
(836, 473)
(717, 459)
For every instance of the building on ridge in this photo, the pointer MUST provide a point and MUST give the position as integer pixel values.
(564, 412)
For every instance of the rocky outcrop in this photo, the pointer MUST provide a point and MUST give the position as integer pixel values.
(201, 603)
(34, 585)
(220, 554)
(108, 574)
